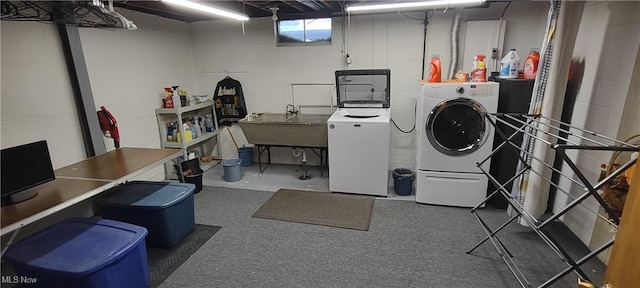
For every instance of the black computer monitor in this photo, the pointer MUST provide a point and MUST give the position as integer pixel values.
(24, 167)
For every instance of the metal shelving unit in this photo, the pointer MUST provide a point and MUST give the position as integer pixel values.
(164, 115)
(565, 140)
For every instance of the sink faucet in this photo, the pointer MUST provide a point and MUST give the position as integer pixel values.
(290, 112)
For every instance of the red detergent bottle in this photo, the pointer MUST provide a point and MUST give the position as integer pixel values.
(435, 69)
(531, 64)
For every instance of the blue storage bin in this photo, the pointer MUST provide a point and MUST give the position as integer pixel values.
(83, 252)
(246, 155)
(164, 208)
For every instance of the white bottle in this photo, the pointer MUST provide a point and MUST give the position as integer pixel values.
(196, 127)
(176, 98)
(509, 65)
(209, 123)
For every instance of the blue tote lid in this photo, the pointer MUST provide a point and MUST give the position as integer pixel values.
(78, 246)
(150, 195)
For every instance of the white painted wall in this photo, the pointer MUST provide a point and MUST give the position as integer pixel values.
(36, 96)
(127, 71)
(391, 41)
(609, 52)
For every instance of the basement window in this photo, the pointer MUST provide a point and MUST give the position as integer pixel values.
(304, 31)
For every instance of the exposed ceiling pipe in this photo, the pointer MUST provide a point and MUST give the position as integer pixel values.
(333, 5)
(250, 3)
(274, 17)
(295, 5)
(455, 27)
(311, 4)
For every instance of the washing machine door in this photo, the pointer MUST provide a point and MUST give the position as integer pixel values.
(457, 127)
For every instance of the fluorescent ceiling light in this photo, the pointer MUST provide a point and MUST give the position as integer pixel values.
(412, 5)
(208, 9)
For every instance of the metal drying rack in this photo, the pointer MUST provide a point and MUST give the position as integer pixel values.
(562, 138)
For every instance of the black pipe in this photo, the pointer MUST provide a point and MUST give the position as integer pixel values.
(424, 42)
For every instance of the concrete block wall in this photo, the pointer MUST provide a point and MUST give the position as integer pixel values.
(605, 53)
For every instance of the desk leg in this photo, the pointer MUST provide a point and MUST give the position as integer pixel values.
(13, 237)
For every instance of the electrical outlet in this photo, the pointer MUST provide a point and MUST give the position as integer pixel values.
(494, 53)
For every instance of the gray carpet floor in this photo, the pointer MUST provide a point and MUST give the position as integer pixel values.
(163, 261)
(407, 245)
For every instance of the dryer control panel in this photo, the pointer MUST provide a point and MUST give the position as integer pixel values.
(456, 89)
(479, 90)
(473, 89)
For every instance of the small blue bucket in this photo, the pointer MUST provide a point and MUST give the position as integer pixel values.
(232, 170)
(246, 155)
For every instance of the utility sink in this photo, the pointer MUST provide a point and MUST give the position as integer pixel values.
(302, 130)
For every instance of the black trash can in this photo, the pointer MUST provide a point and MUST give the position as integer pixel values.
(403, 181)
(196, 180)
(191, 173)
(193, 164)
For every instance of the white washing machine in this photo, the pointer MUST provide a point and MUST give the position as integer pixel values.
(359, 133)
(453, 135)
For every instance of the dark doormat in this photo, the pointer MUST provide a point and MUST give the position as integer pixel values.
(320, 208)
(162, 262)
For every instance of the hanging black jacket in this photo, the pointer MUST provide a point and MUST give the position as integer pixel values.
(229, 101)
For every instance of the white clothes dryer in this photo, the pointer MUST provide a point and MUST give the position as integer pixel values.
(453, 135)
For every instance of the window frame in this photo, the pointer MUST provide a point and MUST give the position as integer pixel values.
(303, 43)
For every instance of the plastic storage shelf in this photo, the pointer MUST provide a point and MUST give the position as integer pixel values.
(163, 115)
(166, 209)
(83, 252)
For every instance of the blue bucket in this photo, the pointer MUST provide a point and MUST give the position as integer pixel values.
(246, 155)
(232, 170)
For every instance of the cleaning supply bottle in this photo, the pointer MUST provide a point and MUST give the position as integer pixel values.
(509, 65)
(530, 68)
(176, 97)
(194, 129)
(186, 131)
(479, 72)
(170, 132)
(168, 100)
(435, 69)
(208, 123)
